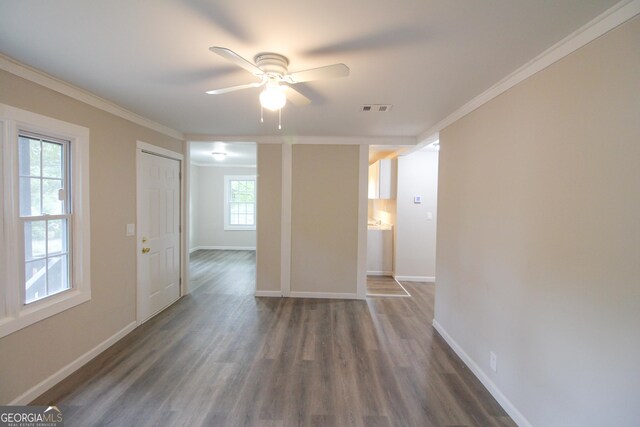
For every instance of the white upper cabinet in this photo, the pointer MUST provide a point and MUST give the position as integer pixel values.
(383, 179)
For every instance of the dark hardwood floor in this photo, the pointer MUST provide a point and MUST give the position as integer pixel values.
(221, 357)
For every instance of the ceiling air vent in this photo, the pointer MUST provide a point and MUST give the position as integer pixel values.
(377, 108)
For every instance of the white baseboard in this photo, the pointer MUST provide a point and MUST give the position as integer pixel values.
(513, 412)
(415, 278)
(223, 248)
(35, 391)
(327, 295)
(274, 294)
(379, 273)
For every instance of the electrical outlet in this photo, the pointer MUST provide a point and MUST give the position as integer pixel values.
(493, 361)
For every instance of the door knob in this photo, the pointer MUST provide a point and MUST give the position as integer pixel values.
(145, 250)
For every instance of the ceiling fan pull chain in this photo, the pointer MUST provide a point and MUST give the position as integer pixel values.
(280, 119)
(261, 114)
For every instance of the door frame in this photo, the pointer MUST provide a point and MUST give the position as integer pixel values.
(144, 147)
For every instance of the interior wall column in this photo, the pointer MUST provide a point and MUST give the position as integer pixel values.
(285, 236)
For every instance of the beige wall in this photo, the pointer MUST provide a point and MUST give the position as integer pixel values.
(538, 253)
(194, 189)
(324, 218)
(32, 354)
(269, 217)
(209, 207)
(415, 248)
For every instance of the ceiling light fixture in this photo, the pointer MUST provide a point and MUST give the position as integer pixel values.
(273, 97)
(219, 156)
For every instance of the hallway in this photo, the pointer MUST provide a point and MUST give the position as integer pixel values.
(221, 357)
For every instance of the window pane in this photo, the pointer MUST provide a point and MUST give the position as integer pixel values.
(51, 203)
(234, 208)
(242, 191)
(52, 160)
(29, 156)
(57, 236)
(29, 196)
(250, 220)
(57, 274)
(34, 239)
(36, 280)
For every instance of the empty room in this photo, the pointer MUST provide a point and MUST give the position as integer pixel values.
(360, 213)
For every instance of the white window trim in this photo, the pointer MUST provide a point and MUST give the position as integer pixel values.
(227, 226)
(15, 315)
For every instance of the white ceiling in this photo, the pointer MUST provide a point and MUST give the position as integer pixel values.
(238, 153)
(425, 57)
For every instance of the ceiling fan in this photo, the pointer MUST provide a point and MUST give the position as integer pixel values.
(272, 72)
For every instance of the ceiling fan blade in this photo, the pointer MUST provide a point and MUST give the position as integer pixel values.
(237, 59)
(295, 97)
(234, 88)
(321, 73)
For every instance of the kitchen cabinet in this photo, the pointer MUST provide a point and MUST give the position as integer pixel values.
(383, 179)
(380, 251)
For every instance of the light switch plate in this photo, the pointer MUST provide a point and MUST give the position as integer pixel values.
(417, 199)
(131, 229)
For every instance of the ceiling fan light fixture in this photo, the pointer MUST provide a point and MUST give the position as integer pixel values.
(273, 97)
(219, 156)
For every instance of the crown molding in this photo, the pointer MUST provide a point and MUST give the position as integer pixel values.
(602, 24)
(295, 139)
(36, 76)
(209, 165)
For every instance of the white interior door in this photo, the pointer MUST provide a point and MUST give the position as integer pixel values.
(158, 234)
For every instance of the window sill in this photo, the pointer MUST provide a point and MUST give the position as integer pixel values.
(41, 310)
(239, 228)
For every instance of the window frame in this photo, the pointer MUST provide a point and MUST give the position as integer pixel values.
(67, 214)
(16, 314)
(227, 202)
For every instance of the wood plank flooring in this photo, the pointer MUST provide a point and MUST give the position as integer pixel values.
(221, 357)
(384, 286)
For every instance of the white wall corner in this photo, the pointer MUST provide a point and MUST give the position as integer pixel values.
(506, 404)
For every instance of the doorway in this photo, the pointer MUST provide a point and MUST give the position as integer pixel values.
(222, 216)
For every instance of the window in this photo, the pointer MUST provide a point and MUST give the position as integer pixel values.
(239, 202)
(44, 214)
(45, 245)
